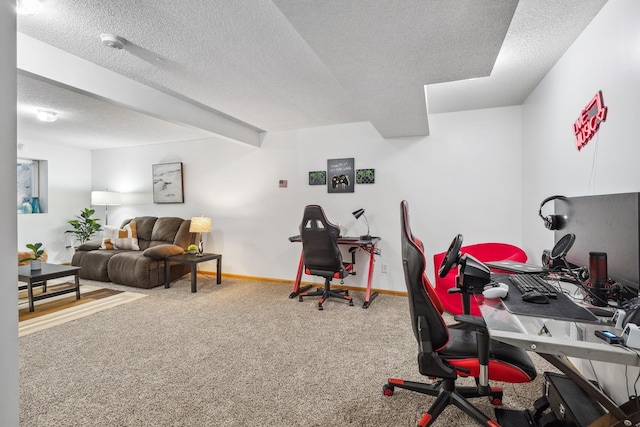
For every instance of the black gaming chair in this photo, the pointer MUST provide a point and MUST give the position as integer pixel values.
(321, 254)
(449, 351)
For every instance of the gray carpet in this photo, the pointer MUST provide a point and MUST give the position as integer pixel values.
(235, 354)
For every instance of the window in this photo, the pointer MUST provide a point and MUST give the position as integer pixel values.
(31, 183)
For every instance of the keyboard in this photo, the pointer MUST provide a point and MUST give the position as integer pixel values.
(529, 282)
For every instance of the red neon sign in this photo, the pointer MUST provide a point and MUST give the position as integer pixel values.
(589, 120)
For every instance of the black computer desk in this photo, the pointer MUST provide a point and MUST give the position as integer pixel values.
(556, 340)
(367, 245)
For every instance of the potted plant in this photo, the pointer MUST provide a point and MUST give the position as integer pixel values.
(84, 227)
(34, 260)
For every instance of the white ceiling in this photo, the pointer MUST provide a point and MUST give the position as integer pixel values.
(261, 65)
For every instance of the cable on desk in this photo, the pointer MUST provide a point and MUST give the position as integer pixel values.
(626, 377)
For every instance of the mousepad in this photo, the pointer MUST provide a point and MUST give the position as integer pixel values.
(561, 308)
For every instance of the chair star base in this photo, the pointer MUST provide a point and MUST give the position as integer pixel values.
(326, 293)
(447, 394)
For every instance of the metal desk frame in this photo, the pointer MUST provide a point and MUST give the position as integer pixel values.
(557, 349)
(367, 245)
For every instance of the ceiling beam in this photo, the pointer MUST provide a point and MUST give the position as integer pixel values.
(53, 64)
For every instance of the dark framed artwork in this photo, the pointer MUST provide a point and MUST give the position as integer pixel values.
(365, 176)
(317, 178)
(340, 174)
(167, 183)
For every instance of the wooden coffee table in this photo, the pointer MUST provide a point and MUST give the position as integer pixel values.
(40, 277)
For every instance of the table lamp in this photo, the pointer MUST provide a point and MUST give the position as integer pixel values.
(358, 213)
(200, 224)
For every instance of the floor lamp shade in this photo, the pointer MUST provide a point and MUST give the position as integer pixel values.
(106, 199)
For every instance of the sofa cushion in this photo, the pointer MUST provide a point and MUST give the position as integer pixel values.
(165, 230)
(94, 264)
(163, 251)
(144, 227)
(132, 268)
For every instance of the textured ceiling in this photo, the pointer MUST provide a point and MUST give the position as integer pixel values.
(289, 64)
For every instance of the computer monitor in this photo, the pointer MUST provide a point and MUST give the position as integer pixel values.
(608, 223)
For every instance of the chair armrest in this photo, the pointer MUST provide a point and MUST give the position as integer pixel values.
(477, 321)
(93, 245)
(162, 251)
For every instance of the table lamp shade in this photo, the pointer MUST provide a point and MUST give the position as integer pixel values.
(200, 224)
(106, 198)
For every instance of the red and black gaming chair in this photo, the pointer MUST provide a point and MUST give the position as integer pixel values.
(449, 351)
(321, 254)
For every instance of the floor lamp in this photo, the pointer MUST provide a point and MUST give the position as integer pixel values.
(106, 199)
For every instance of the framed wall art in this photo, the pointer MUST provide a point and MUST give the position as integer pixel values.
(317, 178)
(167, 183)
(365, 176)
(340, 175)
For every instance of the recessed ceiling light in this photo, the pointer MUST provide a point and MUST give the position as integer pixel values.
(28, 7)
(112, 41)
(46, 116)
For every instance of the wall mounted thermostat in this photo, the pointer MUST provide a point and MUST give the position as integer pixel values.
(631, 335)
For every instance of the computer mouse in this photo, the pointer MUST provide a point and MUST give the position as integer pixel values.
(535, 297)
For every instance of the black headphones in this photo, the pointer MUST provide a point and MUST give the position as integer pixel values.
(553, 222)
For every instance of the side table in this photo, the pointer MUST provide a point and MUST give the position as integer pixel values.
(193, 260)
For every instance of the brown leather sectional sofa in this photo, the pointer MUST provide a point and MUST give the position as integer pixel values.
(144, 268)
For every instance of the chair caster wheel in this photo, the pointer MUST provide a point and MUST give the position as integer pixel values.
(387, 390)
(350, 303)
(320, 307)
(299, 299)
(495, 401)
(346, 293)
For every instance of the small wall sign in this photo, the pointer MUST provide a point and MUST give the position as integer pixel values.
(589, 120)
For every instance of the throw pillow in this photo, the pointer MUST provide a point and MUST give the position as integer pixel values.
(125, 238)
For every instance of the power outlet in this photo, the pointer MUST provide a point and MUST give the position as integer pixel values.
(384, 268)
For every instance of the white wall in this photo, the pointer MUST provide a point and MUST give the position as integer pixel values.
(461, 179)
(605, 57)
(69, 176)
(8, 269)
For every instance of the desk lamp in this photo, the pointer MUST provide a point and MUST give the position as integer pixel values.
(200, 224)
(358, 213)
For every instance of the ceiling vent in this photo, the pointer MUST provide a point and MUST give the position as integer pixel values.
(112, 41)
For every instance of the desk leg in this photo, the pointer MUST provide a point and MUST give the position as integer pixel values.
(369, 297)
(77, 286)
(296, 287)
(167, 278)
(564, 367)
(194, 277)
(30, 294)
(219, 270)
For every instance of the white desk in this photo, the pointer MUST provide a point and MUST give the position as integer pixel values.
(556, 340)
